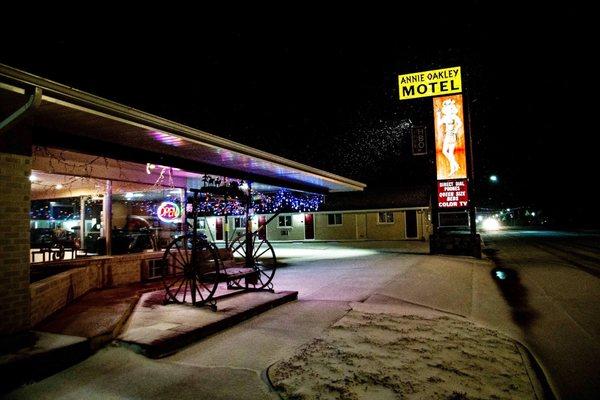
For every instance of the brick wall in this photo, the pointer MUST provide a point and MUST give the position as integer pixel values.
(120, 270)
(14, 242)
(53, 293)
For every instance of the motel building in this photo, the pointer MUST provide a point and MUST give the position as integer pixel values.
(84, 179)
(355, 216)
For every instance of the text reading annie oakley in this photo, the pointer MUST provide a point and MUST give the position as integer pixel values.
(430, 83)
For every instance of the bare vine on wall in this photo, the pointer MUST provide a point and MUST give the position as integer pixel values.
(84, 173)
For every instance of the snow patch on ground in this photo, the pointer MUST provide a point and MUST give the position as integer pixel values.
(387, 356)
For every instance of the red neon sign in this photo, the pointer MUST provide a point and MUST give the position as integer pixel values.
(453, 194)
(168, 211)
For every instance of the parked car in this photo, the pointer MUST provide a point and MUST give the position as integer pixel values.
(123, 242)
(47, 237)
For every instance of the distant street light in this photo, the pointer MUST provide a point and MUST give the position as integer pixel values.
(493, 178)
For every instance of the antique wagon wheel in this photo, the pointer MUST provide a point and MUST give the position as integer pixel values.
(190, 271)
(263, 262)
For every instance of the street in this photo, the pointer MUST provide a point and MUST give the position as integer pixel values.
(554, 297)
(577, 250)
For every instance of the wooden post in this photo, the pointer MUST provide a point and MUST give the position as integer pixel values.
(226, 223)
(107, 216)
(183, 202)
(81, 223)
(249, 241)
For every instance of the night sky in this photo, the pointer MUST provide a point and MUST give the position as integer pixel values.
(320, 87)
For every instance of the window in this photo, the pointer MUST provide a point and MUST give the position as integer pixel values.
(144, 217)
(62, 211)
(334, 219)
(386, 217)
(285, 220)
(238, 222)
(155, 268)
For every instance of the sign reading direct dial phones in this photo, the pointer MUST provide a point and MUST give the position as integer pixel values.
(453, 194)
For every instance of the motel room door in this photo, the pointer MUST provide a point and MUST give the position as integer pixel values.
(219, 228)
(309, 226)
(361, 226)
(262, 220)
(411, 224)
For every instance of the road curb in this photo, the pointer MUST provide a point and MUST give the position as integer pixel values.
(50, 354)
(537, 377)
(267, 380)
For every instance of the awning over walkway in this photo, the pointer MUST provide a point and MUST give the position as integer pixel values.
(67, 118)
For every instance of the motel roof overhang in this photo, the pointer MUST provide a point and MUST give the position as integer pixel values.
(67, 118)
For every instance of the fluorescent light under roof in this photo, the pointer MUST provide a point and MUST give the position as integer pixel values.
(167, 138)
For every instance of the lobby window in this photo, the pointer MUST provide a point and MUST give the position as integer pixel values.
(334, 219)
(385, 217)
(285, 220)
(238, 222)
(66, 217)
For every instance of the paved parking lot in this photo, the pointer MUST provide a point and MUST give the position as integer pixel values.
(328, 276)
(230, 364)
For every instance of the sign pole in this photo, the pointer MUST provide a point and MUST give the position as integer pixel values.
(471, 186)
(434, 195)
(471, 169)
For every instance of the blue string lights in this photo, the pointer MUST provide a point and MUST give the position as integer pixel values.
(262, 203)
(287, 201)
(211, 205)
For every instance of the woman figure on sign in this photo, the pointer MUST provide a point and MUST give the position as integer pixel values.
(450, 121)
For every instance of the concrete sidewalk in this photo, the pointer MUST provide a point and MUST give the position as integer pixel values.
(549, 309)
(157, 330)
(232, 363)
(401, 350)
(73, 333)
(525, 310)
(45, 355)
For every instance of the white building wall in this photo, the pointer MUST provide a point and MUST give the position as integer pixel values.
(357, 225)
(294, 232)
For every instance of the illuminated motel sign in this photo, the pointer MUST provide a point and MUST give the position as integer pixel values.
(445, 86)
(168, 211)
(437, 82)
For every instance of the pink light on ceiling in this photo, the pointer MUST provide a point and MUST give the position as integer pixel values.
(167, 139)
